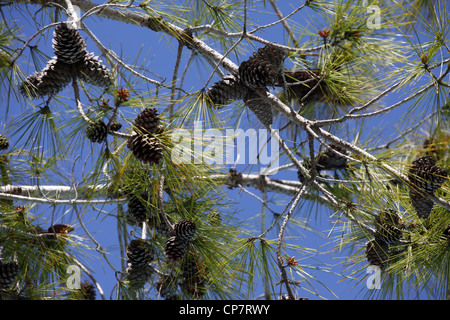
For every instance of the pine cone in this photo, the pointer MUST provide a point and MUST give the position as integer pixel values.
(60, 228)
(167, 287)
(55, 76)
(8, 273)
(423, 174)
(29, 87)
(138, 275)
(97, 131)
(139, 253)
(309, 79)
(228, 89)
(256, 73)
(156, 221)
(422, 205)
(51, 80)
(88, 291)
(388, 228)
(115, 126)
(68, 44)
(329, 160)
(260, 107)
(193, 282)
(175, 248)
(189, 267)
(185, 229)
(272, 54)
(137, 210)
(377, 253)
(145, 148)
(147, 121)
(4, 143)
(263, 68)
(92, 71)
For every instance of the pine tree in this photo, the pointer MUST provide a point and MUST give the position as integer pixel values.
(106, 153)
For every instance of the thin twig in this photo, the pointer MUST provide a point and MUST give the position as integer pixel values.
(281, 20)
(77, 97)
(284, 278)
(174, 78)
(161, 204)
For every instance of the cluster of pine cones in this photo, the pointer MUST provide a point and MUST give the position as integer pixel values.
(176, 249)
(264, 68)
(139, 256)
(71, 60)
(143, 142)
(424, 178)
(178, 243)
